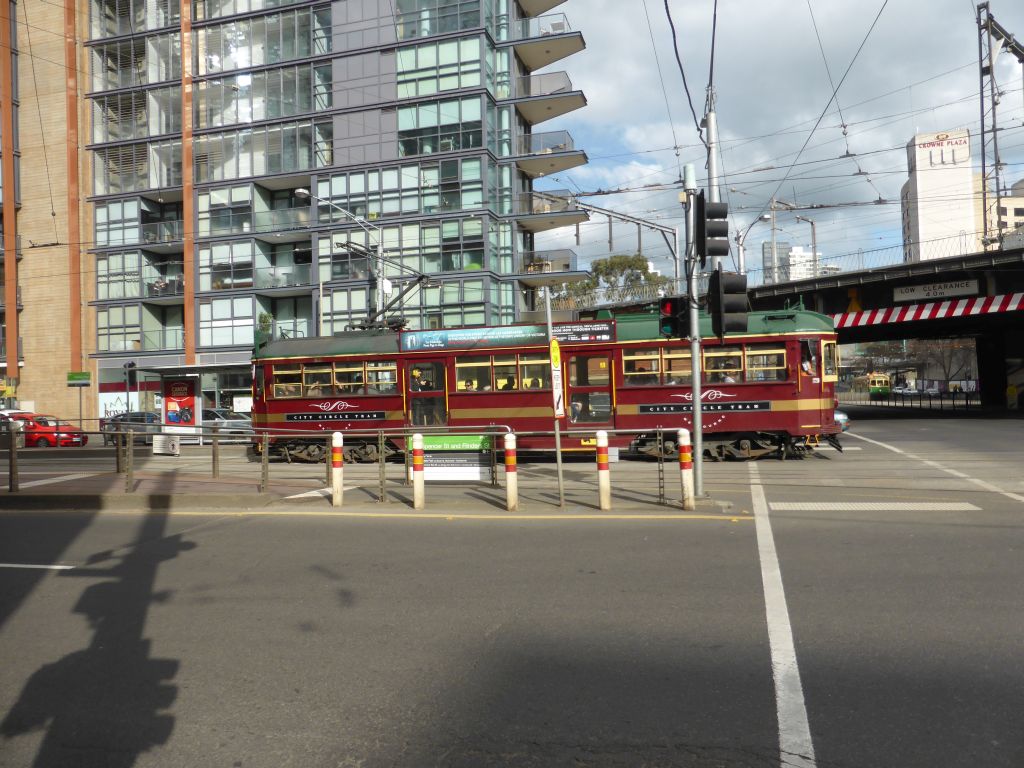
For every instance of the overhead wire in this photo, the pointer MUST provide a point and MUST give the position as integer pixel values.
(682, 72)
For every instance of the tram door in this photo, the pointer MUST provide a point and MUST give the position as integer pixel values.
(590, 389)
(425, 393)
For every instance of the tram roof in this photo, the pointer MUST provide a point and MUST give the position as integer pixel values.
(629, 327)
(641, 326)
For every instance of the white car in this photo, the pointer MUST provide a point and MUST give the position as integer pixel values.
(237, 425)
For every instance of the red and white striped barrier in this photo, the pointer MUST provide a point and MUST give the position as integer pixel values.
(604, 475)
(418, 500)
(337, 468)
(511, 475)
(933, 310)
(686, 468)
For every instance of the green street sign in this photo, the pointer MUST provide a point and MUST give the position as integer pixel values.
(456, 443)
(79, 379)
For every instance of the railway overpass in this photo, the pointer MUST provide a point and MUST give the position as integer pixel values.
(978, 295)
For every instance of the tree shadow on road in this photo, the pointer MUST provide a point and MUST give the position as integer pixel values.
(106, 704)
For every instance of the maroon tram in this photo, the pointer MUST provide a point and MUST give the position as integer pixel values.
(767, 390)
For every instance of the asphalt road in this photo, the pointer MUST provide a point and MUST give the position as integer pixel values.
(300, 640)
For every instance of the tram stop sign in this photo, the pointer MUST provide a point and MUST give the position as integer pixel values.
(557, 392)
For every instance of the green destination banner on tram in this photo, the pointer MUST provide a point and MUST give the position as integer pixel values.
(507, 336)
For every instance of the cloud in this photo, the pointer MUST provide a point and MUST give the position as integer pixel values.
(916, 72)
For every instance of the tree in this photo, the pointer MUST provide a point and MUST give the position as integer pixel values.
(627, 272)
(954, 358)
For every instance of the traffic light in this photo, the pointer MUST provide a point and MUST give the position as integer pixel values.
(673, 320)
(727, 302)
(711, 229)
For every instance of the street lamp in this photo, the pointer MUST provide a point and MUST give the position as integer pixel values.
(366, 227)
(742, 236)
(814, 244)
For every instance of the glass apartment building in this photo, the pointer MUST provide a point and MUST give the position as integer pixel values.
(246, 158)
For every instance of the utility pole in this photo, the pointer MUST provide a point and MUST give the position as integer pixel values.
(775, 255)
(690, 187)
(711, 124)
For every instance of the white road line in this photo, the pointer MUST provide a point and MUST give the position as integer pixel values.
(955, 473)
(38, 567)
(323, 492)
(795, 745)
(846, 448)
(51, 480)
(874, 506)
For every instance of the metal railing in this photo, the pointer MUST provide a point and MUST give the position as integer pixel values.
(941, 401)
(545, 143)
(548, 201)
(557, 260)
(278, 277)
(546, 84)
(542, 26)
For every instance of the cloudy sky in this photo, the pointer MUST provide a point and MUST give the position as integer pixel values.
(915, 71)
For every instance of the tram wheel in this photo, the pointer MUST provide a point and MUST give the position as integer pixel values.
(370, 454)
(315, 452)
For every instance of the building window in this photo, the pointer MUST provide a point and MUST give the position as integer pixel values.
(112, 18)
(118, 329)
(261, 40)
(450, 185)
(436, 67)
(225, 210)
(443, 126)
(117, 223)
(118, 275)
(135, 62)
(422, 18)
(255, 96)
(226, 322)
(264, 150)
(226, 266)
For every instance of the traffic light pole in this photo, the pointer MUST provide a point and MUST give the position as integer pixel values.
(690, 185)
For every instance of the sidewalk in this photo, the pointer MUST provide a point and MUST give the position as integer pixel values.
(193, 492)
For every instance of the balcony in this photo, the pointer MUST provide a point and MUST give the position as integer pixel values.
(273, 225)
(543, 97)
(161, 236)
(537, 7)
(541, 154)
(283, 277)
(17, 247)
(541, 211)
(545, 40)
(165, 287)
(163, 339)
(544, 262)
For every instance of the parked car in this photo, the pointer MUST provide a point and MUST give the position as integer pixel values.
(43, 431)
(145, 422)
(904, 390)
(230, 422)
(932, 391)
(842, 420)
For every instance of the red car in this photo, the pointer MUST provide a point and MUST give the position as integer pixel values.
(44, 431)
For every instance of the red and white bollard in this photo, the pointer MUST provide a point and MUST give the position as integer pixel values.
(337, 468)
(418, 501)
(686, 468)
(604, 476)
(511, 474)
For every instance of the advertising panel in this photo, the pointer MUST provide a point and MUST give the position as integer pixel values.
(592, 332)
(182, 412)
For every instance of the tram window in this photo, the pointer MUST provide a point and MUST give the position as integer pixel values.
(505, 373)
(677, 367)
(427, 377)
(808, 358)
(257, 383)
(640, 367)
(472, 374)
(723, 365)
(589, 371)
(535, 371)
(382, 377)
(766, 363)
(830, 361)
(348, 378)
(288, 382)
(316, 381)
